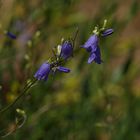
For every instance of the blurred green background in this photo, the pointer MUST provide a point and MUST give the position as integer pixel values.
(93, 102)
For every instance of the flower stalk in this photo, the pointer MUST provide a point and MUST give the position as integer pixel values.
(24, 91)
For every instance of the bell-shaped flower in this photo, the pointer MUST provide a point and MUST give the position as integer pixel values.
(92, 47)
(43, 72)
(66, 50)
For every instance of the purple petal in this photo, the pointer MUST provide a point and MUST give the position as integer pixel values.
(94, 48)
(91, 58)
(66, 50)
(63, 69)
(93, 40)
(95, 56)
(43, 72)
(107, 32)
(98, 56)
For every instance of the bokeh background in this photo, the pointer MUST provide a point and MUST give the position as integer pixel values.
(93, 102)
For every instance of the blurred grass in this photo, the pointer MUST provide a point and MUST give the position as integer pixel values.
(99, 102)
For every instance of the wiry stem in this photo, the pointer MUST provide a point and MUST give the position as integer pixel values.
(25, 89)
(75, 36)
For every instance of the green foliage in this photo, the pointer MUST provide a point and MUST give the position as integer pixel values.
(99, 102)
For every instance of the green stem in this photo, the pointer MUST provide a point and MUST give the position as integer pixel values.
(25, 89)
(75, 36)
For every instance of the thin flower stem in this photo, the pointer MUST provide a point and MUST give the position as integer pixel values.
(25, 89)
(75, 36)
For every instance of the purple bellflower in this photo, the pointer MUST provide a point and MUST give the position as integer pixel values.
(92, 47)
(107, 32)
(43, 72)
(66, 50)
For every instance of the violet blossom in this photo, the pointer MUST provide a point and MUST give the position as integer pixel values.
(66, 50)
(92, 47)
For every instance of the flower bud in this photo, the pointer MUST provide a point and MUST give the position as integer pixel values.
(107, 32)
(66, 50)
(63, 69)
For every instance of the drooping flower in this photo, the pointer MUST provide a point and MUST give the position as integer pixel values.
(107, 32)
(92, 47)
(63, 69)
(66, 50)
(43, 72)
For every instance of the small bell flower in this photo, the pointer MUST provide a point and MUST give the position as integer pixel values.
(66, 50)
(92, 47)
(43, 72)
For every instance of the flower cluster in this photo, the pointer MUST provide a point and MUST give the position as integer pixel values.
(65, 51)
(60, 54)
